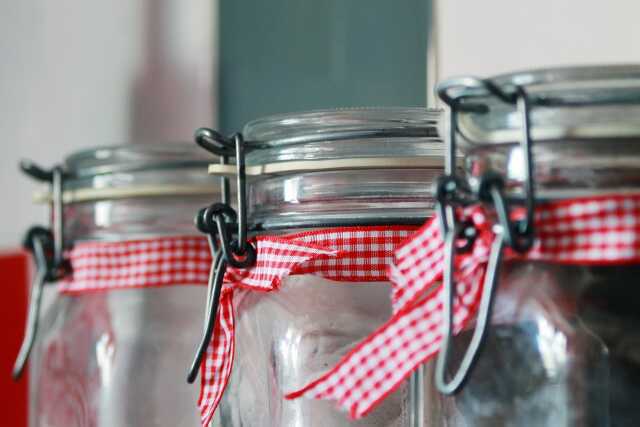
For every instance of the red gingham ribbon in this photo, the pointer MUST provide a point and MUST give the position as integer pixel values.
(602, 230)
(165, 261)
(349, 254)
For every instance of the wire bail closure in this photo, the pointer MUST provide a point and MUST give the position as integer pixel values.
(451, 194)
(47, 248)
(226, 231)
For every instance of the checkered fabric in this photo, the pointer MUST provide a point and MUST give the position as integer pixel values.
(165, 261)
(602, 230)
(216, 367)
(348, 254)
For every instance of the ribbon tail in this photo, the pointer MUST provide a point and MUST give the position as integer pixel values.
(216, 369)
(276, 259)
(417, 266)
(379, 364)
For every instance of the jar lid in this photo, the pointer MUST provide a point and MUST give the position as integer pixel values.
(583, 126)
(567, 103)
(135, 170)
(346, 139)
(344, 134)
(338, 167)
(340, 124)
(133, 158)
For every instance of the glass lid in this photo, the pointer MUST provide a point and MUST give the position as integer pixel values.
(348, 123)
(566, 103)
(359, 166)
(136, 170)
(344, 133)
(134, 158)
(583, 124)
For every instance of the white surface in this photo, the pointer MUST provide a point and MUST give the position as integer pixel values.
(494, 36)
(345, 163)
(77, 74)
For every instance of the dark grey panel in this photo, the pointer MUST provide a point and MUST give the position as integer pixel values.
(289, 55)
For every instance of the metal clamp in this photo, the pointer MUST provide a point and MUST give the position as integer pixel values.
(224, 147)
(214, 289)
(455, 93)
(55, 177)
(494, 189)
(219, 221)
(39, 241)
(451, 194)
(48, 251)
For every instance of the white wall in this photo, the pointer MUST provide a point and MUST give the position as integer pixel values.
(493, 36)
(77, 74)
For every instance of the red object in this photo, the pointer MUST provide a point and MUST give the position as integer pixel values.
(14, 266)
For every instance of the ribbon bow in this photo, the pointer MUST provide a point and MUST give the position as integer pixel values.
(350, 254)
(603, 230)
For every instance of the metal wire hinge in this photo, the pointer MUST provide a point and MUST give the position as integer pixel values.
(452, 194)
(226, 230)
(47, 248)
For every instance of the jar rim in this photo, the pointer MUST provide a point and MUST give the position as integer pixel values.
(560, 75)
(345, 166)
(594, 101)
(348, 133)
(134, 171)
(582, 125)
(339, 124)
(130, 158)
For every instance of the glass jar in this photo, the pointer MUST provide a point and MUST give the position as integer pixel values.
(117, 357)
(331, 170)
(562, 348)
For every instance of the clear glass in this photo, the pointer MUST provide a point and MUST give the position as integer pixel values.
(562, 350)
(336, 133)
(575, 115)
(290, 337)
(607, 97)
(337, 197)
(119, 358)
(286, 339)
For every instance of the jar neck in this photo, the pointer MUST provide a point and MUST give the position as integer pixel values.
(342, 198)
(376, 182)
(131, 219)
(562, 168)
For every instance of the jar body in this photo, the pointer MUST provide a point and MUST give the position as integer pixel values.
(286, 339)
(329, 176)
(114, 358)
(562, 346)
(562, 350)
